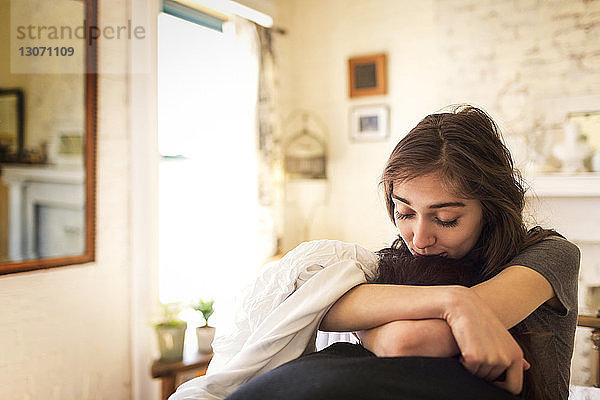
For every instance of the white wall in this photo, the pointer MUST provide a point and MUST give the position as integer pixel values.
(64, 332)
(517, 59)
(312, 60)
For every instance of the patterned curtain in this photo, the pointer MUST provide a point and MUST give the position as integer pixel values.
(270, 164)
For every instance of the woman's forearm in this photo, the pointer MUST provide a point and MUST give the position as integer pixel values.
(370, 305)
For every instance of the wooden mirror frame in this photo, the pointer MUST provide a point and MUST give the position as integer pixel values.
(91, 81)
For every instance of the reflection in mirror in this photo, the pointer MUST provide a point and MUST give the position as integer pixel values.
(46, 142)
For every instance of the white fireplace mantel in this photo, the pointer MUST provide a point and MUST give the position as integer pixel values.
(31, 186)
(564, 185)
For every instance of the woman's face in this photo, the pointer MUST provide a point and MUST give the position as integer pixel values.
(432, 220)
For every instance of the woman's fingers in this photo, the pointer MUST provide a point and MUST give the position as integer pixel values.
(486, 346)
(514, 378)
(494, 373)
(488, 370)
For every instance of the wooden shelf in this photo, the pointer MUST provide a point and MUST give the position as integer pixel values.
(588, 321)
(167, 371)
(564, 185)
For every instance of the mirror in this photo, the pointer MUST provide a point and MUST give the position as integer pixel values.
(47, 134)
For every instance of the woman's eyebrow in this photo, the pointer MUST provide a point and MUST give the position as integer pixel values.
(433, 206)
(449, 204)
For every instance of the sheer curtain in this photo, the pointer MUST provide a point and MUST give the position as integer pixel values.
(209, 209)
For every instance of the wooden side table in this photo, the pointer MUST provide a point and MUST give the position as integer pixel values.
(168, 371)
(589, 321)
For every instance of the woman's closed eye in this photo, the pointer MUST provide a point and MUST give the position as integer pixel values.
(403, 216)
(447, 224)
(441, 222)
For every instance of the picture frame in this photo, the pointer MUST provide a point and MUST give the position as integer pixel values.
(369, 123)
(11, 124)
(66, 145)
(367, 75)
(588, 123)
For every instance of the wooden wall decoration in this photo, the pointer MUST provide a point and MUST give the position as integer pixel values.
(367, 75)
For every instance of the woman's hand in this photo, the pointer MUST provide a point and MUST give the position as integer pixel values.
(487, 348)
(424, 337)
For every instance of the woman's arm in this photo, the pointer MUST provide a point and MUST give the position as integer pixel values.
(478, 317)
(370, 305)
(515, 293)
(433, 337)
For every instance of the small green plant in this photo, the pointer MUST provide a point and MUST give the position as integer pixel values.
(205, 308)
(170, 315)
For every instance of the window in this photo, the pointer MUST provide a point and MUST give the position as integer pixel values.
(207, 89)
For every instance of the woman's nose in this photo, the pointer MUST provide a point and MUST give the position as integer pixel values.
(423, 237)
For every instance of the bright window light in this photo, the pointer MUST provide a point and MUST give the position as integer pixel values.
(208, 221)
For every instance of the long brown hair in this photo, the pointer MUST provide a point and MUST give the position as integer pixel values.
(465, 148)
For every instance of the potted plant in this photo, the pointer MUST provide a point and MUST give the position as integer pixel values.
(205, 333)
(170, 330)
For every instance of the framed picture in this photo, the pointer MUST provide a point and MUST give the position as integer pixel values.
(367, 75)
(66, 144)
(369, 122)
(11, 125)
(589, 125)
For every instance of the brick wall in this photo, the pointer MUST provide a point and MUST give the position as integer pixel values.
(518, 57)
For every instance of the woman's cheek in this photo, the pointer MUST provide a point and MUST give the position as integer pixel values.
(456, 247)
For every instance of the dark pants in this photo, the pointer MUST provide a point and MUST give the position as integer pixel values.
(346, 371)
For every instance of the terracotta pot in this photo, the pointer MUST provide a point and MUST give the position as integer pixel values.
(205, 335)
(170, 341)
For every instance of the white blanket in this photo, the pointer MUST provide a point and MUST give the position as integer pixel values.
(583, 393)
(280, 313)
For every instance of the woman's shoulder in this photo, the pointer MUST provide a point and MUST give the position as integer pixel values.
(552, 246)
(557, 260)
(554, 257)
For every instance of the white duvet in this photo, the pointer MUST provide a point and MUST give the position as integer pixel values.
(278, 317)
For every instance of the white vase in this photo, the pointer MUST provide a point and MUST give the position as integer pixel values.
(596, 161)
(205, 336)
(573, 150)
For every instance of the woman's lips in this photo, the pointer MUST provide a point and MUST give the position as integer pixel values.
(416, 253)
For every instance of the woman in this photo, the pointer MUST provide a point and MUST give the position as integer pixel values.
(452, 191)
